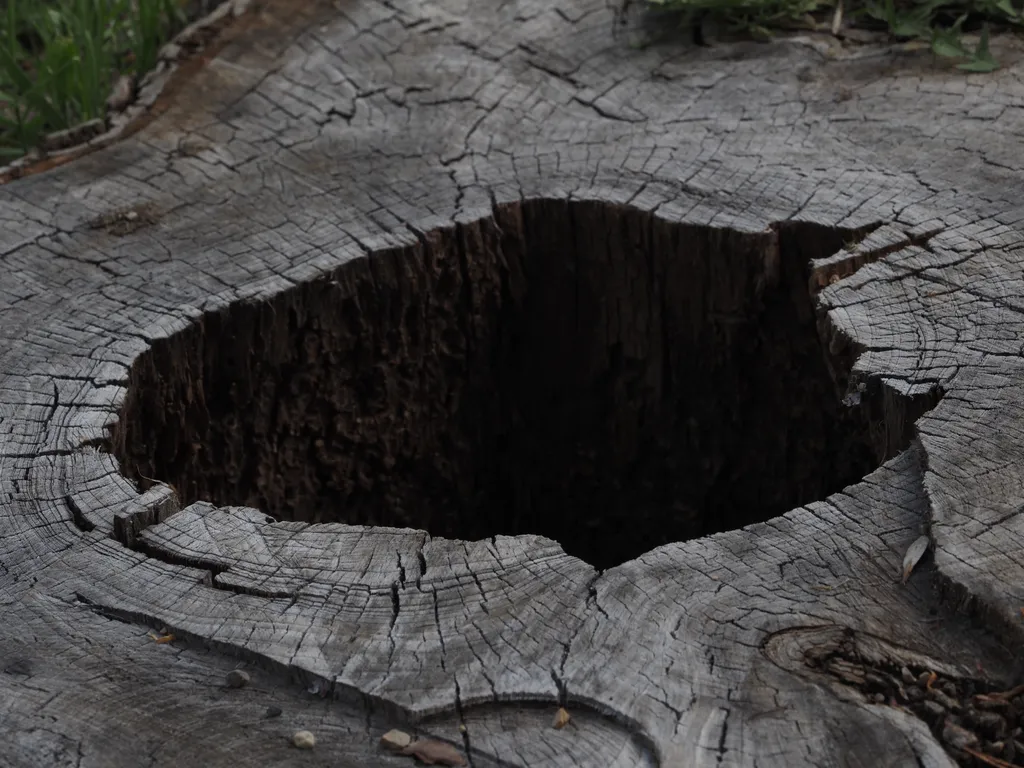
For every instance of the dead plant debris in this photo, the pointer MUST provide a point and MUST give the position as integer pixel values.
(977, 723)
(124, 221)
(914, 554)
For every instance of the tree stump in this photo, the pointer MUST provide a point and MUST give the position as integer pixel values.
(443, 364)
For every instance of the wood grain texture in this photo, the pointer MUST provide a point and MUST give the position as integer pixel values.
(325, 138)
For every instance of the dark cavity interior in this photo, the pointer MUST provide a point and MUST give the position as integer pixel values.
(582, 371)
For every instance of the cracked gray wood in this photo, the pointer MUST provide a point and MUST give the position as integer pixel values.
(322, 133)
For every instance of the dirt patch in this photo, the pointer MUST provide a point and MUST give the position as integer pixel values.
(582, 371)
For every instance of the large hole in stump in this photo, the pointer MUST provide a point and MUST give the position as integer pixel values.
(577, 370)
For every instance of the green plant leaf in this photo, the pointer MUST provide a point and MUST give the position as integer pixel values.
(908, 27)
(979, 65)
(1006, 7)
(982, 60)
(947, 43)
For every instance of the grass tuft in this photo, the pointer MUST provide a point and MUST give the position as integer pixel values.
(59, 60)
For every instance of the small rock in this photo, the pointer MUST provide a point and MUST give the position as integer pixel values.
(395, 739)
(923, 678)
(237, 678)
(957, 737)
(914, 694)
(933, 709)
(170, 52)
(121, 94)
(989, 722)
(878, 698)
(907, 676)
(273, 711)
(947, 702)
(561, 718)
(304, 740)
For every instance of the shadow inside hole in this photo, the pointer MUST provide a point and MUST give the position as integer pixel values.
(582, 371)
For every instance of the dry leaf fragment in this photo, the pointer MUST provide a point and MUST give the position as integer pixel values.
(914, 555)
(434, 752)
(988, 759)
(166, 638)
(561, 718)
(396, 739)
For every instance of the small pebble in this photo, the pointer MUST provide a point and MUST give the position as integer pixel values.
(934, 709)
(304, 740)
(989, 722)
(237, 678)
(170, 52)
(121, 94)
(947, 702)
(958, 737)
(396, 739)
(273, 711)
(923, 678)
(878, 698)
(908, 676)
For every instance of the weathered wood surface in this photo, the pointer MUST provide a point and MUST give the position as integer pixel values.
(320, 134)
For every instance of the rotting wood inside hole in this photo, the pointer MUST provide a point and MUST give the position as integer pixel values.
(582, 371)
